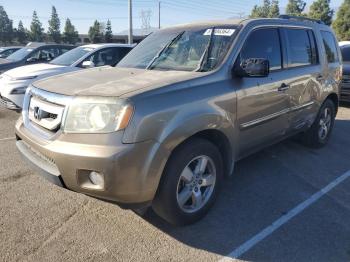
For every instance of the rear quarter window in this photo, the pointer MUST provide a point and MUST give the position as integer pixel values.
(330, 46)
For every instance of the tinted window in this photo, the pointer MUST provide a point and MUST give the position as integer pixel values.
(300, 51)
(263, 43)
(330, 47)
(345, 51)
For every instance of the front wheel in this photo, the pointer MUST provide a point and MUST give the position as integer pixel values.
(190, 182)
(319, 133)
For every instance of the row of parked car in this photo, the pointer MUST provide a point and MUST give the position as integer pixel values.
(165, 125)
(39, 60)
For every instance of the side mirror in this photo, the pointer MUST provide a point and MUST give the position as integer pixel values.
(253, 67)
(31, 60)
(88, 64)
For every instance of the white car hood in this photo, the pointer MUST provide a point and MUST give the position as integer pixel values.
(39, 70)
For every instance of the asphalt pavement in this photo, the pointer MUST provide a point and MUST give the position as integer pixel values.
(41, 222)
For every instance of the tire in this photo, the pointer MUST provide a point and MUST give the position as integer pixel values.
(313, 138)
(176, 185)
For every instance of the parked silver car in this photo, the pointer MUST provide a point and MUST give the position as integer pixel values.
(165, 126)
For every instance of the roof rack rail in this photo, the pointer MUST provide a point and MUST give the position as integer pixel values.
(301, 18)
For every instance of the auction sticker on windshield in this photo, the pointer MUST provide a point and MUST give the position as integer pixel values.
(220, 32)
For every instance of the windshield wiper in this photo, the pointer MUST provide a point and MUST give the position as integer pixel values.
(164, 49)
(205, 56)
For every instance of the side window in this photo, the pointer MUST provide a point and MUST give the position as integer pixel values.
(107, 56)
(263, 43)
(300, 48)
(330, 47)
(121, 52)
(44, 54)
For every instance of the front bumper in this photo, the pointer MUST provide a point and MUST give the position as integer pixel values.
(132, 171)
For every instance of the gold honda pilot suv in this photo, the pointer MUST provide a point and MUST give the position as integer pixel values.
(165, 126)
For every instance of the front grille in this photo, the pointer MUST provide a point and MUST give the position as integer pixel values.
(45, 114)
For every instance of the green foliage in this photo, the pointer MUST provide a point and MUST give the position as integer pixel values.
(341, 24)
(295, 7)
(95, 33)
(108, 33)
(21, 33)
(36, 29)
(321, 10)
(54, 32)
(6, 27)
(70, 35)
(269, 9)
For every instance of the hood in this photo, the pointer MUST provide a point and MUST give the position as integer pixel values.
(111, 81)
(346, 68)
(35, 70)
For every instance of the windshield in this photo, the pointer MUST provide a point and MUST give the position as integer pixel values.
(191, 50)
(71, 56)
(20, 54)
(345, 51)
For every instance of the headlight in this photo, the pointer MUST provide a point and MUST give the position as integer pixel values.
(97, 115)
(19, 90)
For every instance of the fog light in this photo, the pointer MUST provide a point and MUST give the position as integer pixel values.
(97, 179)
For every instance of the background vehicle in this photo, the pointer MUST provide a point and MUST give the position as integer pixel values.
(14, 83)
(343, 43)
(167, 124)
(345, 85)
(33, 53)
(8, 50)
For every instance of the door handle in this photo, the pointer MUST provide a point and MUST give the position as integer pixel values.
(283, 87)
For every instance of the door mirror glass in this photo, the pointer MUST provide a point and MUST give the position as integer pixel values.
(253, 67)
(88, 64)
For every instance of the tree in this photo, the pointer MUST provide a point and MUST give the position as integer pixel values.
(321, 10)
(341, 24)
(54, 32)
(268, 9)
(70, 35)
(36, 29)
(95, 34)
(108, 33)
(295, 7)
(274, 9)
(6, 27)
(21, 33)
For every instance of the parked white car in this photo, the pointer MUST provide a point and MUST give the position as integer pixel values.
(13, 83)
(344, 43)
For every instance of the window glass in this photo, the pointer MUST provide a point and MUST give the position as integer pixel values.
(330, 47)
(71, 56)
(345, 51)
(183, 50)
(263, 43)
(107, 56)
(299, 47)
(45, 54)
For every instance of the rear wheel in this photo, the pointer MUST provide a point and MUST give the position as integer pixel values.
(319, 133)
(190, 182)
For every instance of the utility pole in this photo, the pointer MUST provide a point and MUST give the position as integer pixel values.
(130, 23)
(159, 14)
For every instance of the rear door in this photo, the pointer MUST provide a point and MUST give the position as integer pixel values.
(262, 103)
(305, 76)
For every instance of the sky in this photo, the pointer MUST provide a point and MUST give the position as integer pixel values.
(83, 12)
